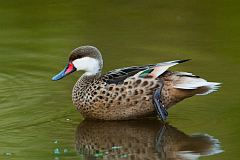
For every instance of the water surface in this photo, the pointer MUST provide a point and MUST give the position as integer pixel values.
(38, 120)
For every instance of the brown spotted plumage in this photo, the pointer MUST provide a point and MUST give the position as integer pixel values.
(114, 101)
(127, 93)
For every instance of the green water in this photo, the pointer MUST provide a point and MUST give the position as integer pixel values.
(37, 118)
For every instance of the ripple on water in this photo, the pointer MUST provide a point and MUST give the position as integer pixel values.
(26, 98)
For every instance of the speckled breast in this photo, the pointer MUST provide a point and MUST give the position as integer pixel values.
(129, 100)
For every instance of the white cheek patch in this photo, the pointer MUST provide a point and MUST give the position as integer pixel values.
(88, 64)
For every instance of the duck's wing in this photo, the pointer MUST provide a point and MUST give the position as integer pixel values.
(117, 76)
(158, 69)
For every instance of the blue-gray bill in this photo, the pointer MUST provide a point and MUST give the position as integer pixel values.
(66, 71)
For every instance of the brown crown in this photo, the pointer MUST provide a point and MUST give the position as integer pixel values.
(84, 51)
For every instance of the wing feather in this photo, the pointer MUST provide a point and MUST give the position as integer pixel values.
(159, 69)
(118, 76)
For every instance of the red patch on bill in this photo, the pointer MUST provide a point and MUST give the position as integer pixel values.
(69, 69)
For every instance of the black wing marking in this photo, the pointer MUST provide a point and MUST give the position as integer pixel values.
(117, 76)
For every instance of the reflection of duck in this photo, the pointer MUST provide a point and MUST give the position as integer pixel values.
(129, 92)
(142, 139)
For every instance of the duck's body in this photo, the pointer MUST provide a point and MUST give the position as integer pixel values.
(131, 92)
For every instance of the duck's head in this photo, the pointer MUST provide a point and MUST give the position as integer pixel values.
(85, 58)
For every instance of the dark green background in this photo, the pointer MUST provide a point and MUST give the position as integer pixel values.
(36, 38)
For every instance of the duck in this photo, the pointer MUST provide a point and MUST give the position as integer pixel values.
(130, 92)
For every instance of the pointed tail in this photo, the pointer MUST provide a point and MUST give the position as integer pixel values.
(192, 82)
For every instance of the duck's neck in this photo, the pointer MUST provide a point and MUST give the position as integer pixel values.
(82, 86)
(87, 79)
